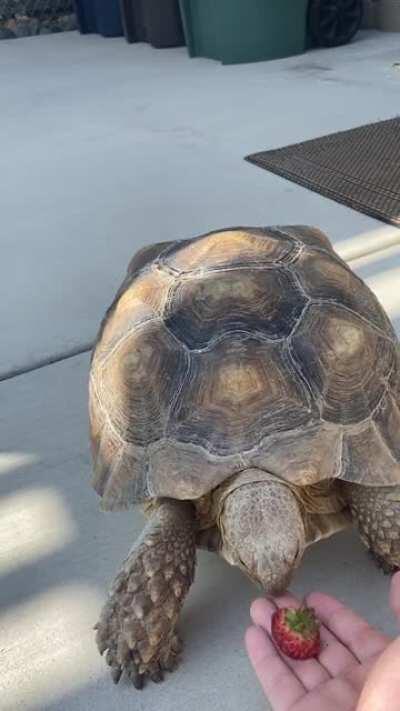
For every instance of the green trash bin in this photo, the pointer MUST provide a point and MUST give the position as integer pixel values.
(237, 31)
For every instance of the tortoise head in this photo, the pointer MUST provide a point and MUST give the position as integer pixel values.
(263, 533)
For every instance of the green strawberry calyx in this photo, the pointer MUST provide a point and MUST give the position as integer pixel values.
(302, 621)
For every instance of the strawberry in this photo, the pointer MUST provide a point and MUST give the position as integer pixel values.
(296, 632)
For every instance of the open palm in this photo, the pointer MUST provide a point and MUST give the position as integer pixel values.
(350, 647)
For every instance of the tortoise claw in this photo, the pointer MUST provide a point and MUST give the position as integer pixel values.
(116, 673)
(156, 674)
(136, 678)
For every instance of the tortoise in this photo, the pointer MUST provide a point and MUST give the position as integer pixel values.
(245, 390)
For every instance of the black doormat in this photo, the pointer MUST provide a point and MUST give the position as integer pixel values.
(359, 168)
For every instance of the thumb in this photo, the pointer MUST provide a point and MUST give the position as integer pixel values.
(394, 596)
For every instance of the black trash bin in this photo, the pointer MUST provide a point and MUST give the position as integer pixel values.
(158, 23)
(102, 17)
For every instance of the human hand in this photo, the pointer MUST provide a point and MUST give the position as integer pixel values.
(350, 648)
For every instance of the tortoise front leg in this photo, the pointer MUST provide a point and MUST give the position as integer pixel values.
(137, 625)
(376, 510)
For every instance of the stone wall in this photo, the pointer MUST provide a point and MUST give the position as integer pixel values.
(22, 18)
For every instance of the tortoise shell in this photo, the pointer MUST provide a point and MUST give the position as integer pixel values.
(242, 348)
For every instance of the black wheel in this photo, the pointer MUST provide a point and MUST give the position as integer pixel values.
(334, 22)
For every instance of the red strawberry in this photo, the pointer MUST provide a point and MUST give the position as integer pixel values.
(296, 632)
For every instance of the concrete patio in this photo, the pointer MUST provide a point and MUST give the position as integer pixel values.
(109, 147)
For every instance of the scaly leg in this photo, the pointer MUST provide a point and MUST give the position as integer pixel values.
(376, 510)
(137, 625)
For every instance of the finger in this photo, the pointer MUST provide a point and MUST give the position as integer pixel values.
(334, 656)
(395, 595)
(280, 685)
(309, 671)
(352, 630)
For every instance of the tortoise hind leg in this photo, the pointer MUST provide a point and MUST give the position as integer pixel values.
(376, 510)
(137, 625)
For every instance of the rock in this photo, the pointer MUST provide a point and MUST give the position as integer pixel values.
(11, 25)
(34, 25)
(67, 22)
(45, 29)
(22, 24)
(27, 27)
(5, 33)
(49, 25)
